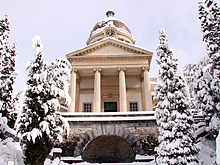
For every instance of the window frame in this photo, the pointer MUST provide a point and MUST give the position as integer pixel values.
(133, 102)
(83, 108)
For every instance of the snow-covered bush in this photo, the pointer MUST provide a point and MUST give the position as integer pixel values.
(148, 145)
(40, 124)
(10, 151)
(7, 73)
(173, 115)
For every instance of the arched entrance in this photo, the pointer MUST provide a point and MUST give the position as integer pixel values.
(109, 142)
(108, 149)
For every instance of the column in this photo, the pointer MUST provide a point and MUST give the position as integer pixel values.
(97, 90)
(122, 90)
(72, 90)
(147, 90)
(143, 94)
(77, 93)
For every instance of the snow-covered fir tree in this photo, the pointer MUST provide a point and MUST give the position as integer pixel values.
(40, 125)
(176, 139)
(208, 88)
(7, 73)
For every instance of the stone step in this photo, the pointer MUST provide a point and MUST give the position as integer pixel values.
(139, 158)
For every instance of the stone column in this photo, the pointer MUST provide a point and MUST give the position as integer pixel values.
(72, 90)
(77, 93)
(97, 90)
(143, 94)
(147, 90)
(122, 90)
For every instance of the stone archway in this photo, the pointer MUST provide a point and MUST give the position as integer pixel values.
(107, 136)
(108, 149)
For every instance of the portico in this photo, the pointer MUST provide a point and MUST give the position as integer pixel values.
(110, 78)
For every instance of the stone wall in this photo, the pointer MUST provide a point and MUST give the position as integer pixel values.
(140, 129)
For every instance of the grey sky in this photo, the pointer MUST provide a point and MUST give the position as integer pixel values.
(65, 25)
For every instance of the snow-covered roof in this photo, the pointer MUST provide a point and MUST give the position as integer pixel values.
(108, 113)
(109, 116)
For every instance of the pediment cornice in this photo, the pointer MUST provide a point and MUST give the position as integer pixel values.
(110, 57)
(109, 41)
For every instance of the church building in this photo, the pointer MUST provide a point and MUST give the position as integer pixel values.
(111, 113)
(111, 73)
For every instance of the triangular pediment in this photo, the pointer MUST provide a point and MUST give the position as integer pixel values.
(111, 47)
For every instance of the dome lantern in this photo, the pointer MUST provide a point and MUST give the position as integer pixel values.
(110, 13)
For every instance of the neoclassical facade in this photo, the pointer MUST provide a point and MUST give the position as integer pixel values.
(111, 73)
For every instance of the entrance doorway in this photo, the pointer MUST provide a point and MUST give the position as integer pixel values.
(110, 106)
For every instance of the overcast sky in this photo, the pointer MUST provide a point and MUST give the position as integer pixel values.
(65, 25)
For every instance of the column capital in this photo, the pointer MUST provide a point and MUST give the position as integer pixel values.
(146, 68)
(121, 68)
(74, 70)
(97, 69)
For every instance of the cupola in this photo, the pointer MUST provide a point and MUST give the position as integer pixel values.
(110, 27)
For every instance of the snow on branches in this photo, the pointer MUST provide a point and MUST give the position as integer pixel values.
(7, 73)
(189, 74)
(176, 139)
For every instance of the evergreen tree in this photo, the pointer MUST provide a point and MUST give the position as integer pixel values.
(7, 73)
(208, 88)
(176, 139)
(40, 125)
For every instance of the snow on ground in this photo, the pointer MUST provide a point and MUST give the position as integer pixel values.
(58, 161)
(207, 153)
(218, 148)
(134, 163)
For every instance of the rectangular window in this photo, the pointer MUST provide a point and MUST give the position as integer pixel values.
(87, 107)
(133, 106)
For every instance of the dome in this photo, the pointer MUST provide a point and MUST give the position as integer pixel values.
(110, 27)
